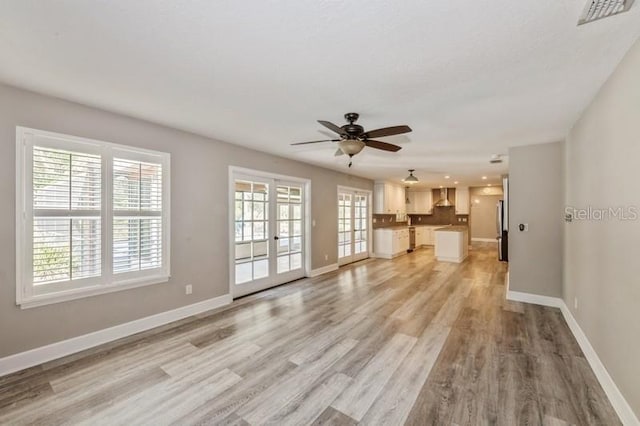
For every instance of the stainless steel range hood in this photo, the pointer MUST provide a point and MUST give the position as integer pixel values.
(443, 201)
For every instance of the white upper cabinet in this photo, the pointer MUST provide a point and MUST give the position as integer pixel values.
(400, 202)
(411, 200)
(382, 198)
(389, 198)
(462, 200)
(420, 202)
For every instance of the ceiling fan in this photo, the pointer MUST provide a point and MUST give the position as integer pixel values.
(353, 138)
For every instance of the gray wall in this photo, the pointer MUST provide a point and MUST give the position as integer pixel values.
(602, 269)
(482, 219)
(536, 197)
(199, 217)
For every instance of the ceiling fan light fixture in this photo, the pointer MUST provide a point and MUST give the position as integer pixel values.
(411, 179)
(353, 138)
(351, 146)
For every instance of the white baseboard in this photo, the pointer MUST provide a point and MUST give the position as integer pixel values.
(324, 270)
(382, 255)
(624, 411)
(484, 240)
(389, 256)
(535, 299)
(619, 403)
(450, 259)
(33, 357)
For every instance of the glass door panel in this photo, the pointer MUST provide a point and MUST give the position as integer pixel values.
(268, 228)
(353, 226)
(344, 225)
(251, 231)
(361, 221)
(289, 219)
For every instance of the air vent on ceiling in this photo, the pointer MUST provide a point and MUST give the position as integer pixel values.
(598, 9)
(496, 159)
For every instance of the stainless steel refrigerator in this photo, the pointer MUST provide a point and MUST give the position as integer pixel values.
(502, 223)
(502, 228)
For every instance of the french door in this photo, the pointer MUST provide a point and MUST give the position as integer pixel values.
(269, 233)
(353, 225)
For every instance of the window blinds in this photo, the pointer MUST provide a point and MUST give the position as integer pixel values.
(137, 215)
(66, 208)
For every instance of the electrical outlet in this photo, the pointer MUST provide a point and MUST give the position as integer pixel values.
(575, 303)
(326, 257)
(313, 223)
(419, 219)
(188, 289)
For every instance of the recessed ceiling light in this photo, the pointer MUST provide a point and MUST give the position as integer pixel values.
(456, 182)
(488, 184)
(484, 178)
(441, 186)
(447, 177)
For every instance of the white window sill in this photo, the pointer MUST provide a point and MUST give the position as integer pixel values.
(80, 293)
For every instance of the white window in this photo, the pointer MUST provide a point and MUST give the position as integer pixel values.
(92, 217)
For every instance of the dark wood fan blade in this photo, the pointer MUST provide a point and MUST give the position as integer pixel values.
(387, 131)
(326, 140)
(332, 126)
(382, 145)
(338, 153)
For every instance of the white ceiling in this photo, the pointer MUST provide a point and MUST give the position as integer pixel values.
(470, 77)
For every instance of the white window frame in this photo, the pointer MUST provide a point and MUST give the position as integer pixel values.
(107, 282)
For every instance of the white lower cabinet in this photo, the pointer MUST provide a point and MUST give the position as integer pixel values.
(425, 235)
(400, 242)
(429, 237)
(421, 236)
(389, 243)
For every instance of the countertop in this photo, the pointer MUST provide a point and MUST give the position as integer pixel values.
(398, 227)
(457, 228)
(393, 228)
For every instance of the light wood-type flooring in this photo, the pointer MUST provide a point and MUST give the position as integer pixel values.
(407, 341)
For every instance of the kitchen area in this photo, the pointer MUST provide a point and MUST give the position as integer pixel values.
(409, 218)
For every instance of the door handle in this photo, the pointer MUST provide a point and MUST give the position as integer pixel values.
(276, 238)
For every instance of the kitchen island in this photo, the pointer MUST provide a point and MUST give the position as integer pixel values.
(452, 244)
